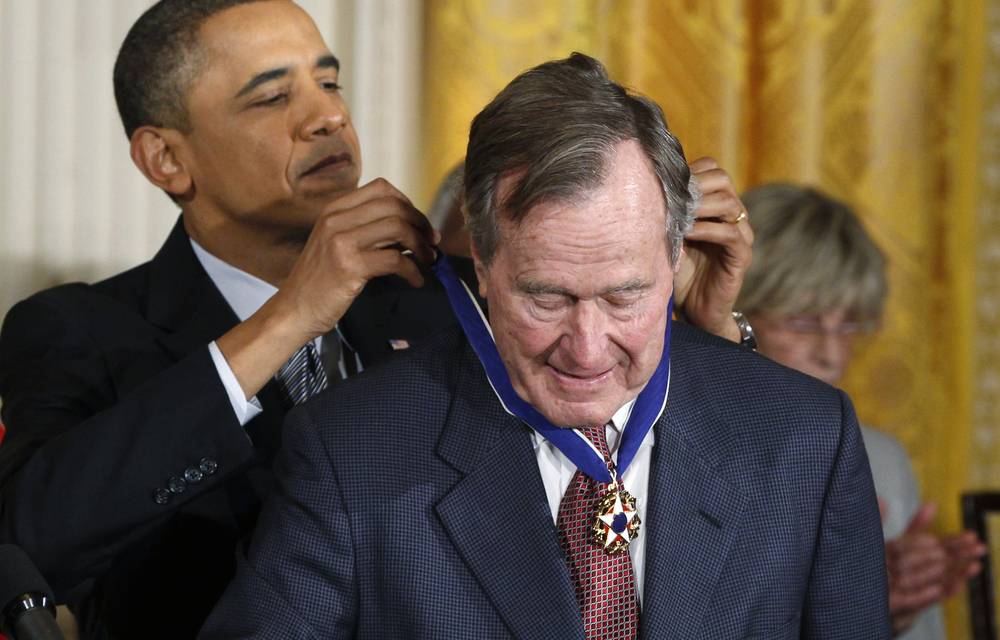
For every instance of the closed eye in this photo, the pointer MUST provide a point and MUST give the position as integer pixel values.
(272, 100)
(624, 299)
(549, 301)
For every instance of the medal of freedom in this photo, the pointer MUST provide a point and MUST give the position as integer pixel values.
(617, 522)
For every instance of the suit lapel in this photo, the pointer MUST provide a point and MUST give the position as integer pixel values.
(182, 299)
(498, 517)
(184, 302)
(694, 512)
(389, 309)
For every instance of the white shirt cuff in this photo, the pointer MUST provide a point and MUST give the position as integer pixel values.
(244, 409)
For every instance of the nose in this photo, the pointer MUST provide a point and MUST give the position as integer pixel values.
(586, 338)
(832, 352)
(324, 115)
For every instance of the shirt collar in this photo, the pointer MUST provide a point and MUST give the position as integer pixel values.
(621, 416)
(617, 423)
(244, 292)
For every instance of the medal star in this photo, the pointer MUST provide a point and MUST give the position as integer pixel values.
(620, 516)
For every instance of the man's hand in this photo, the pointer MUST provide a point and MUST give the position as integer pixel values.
(717, 253)
(362, 235)
(925, 568)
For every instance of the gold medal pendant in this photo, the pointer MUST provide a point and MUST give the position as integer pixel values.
(617, 521)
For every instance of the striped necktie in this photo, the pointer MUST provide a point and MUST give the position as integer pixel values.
(303, 375)
(339, 359)
(604, 583)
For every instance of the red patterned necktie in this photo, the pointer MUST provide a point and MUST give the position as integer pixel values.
(605, 585)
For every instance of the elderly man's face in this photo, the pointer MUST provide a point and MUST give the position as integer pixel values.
(271, 141)
(578, 294)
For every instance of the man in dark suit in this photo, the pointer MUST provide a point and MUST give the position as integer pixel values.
(144, 411)
(416, 501)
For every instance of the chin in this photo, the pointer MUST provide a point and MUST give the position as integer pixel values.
(571, 417)
(571, 410)
(297, 234)
(831, 378)
(331, 188)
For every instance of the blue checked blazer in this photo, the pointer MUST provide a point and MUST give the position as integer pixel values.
(410, 505)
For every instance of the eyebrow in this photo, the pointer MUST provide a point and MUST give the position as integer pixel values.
(629, 286)
(535, 288)
(328, 61)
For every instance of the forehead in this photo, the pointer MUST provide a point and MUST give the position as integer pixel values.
(609, 237)
(247, 39)
(627, 208)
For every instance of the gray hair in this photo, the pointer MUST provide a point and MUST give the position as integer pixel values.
(811, 255)
(557, 125)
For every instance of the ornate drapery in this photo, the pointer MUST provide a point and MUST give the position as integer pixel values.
(892, 105)
(986, 409)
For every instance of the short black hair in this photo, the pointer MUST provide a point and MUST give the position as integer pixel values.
(159, 60)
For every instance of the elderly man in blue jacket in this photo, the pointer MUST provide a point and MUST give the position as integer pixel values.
(574, 466)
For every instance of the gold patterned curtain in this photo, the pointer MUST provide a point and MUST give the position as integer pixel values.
(892, 105)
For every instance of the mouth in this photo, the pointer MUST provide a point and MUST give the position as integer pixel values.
(580, 380)
(330, 164)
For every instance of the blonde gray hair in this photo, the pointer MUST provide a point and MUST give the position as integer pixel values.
(811, 255)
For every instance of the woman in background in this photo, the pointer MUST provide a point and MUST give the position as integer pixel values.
(816, 282)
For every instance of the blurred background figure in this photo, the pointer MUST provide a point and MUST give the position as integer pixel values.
(817, 282)
(445, 213)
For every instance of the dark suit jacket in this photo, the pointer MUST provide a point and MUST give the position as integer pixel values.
(108, 392)
(410, 505)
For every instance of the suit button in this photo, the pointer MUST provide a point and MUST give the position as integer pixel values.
(208, 466)
(192, 475)
(161, 496)
(176, 485)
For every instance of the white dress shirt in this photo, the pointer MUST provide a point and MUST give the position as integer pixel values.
(245, 294)
(557, 472)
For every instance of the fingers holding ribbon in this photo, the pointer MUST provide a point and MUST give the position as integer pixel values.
(719, 202)
(717, 252)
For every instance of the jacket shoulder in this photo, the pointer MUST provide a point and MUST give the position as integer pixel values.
(744, 374)
(412, 380)
(125, 288)
(747, 412)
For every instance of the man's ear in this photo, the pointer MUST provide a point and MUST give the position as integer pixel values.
(154, 152)
(481, 269)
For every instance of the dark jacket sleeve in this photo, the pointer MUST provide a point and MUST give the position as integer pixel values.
(83, 455)
(847, 592)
